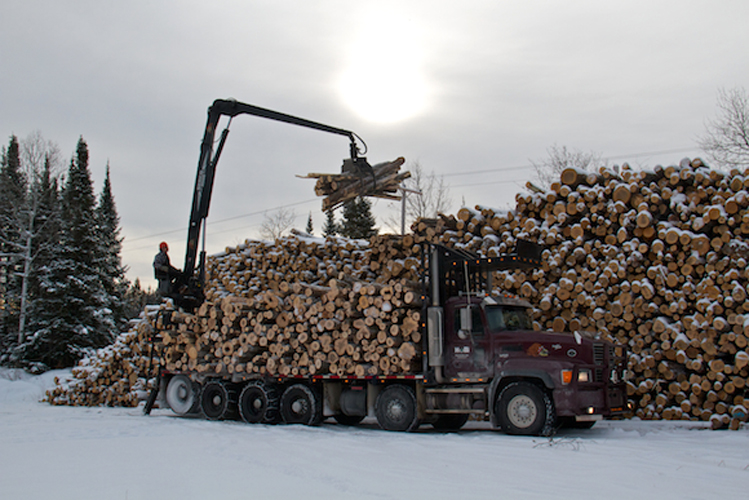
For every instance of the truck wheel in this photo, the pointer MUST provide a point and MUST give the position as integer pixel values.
(181, 395)
(258, 403)
(452, 422)
(395, 409)
(348, 419)
(524, 408)
(301, 405)
(216, 401)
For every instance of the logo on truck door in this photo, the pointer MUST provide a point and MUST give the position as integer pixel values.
(537, 350)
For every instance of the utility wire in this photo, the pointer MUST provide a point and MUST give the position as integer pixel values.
(130, 240)
(519, 167)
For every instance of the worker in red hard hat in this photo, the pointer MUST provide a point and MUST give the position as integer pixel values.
(163, 270)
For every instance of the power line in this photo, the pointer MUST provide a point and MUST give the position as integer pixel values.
(488, 183)
(221, 221)
(519, 167)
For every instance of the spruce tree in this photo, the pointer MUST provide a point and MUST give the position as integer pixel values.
(358, 221)
(71, 316)
(310, 229)
(136, 299)
(13, 187)
(331, 227)
(111, 267)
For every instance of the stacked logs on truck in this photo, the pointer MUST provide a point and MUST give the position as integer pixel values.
(304, 306)
(383, 181)
(655, 260)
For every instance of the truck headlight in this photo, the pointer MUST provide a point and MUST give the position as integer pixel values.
(584, 375)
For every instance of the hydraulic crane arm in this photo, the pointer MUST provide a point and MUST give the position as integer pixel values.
(188, 291)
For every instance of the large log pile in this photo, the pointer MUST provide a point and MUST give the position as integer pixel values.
(656, 260)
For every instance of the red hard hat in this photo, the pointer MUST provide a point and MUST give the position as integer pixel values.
(163, 246)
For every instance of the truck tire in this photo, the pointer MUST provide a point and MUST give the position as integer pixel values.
(182, 395)
(216, 401)
(258, 404)
(524, 408)
(301, 405)
(451, 422)
(395, 409)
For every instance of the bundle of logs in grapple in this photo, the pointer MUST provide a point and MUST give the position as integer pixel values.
(381, 181)
(655, 260)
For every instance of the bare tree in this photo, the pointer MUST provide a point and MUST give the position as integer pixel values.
(560, 158)
(434, 197)
(726, 140)
(35, 151)
(39, 157)
(273, 226)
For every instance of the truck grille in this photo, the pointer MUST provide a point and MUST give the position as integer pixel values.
(599, 354)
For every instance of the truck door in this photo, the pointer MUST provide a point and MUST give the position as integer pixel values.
(466, 351)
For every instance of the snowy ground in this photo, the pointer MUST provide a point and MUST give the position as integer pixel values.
(117, 453)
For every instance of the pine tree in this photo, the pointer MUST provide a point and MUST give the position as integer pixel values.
(358, 221)
(331, 227)
(111, 267)
(13, 187)
(310, 229)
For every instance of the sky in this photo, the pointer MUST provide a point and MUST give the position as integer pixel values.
(471, 91)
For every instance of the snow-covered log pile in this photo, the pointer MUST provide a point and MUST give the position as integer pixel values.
(299, 306)
(656, 260)
(113, 375)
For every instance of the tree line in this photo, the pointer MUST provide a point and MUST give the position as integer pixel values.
(63, 289)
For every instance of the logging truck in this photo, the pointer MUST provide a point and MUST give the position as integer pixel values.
(480, 357)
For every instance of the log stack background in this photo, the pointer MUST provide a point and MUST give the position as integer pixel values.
(655, 260)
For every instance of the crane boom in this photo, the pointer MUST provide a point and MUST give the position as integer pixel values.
(187, 290)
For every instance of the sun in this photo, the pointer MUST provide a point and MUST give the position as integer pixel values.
(383, 81)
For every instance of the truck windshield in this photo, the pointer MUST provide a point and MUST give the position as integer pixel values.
(507, 318)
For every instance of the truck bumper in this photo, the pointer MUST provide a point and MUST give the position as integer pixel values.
(590, 403)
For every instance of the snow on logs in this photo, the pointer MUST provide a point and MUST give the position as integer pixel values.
(655, 260)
